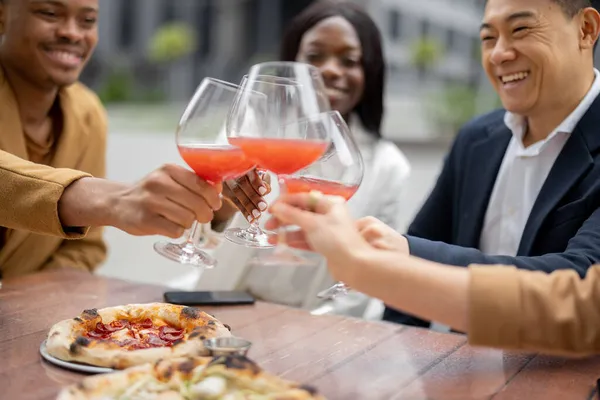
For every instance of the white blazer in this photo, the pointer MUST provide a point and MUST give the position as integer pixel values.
(380, 195)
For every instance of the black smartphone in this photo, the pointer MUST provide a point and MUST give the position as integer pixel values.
(212, 298)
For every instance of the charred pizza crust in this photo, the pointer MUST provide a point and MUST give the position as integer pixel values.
(192, 378)
(69, 340)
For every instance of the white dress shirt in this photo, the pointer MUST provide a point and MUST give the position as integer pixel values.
(521, 177)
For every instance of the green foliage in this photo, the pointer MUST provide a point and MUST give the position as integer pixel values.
(426, 52)
(120, 87)
(458, 104)
(172, 42)
(117, 88)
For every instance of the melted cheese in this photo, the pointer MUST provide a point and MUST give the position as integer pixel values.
(212, 386)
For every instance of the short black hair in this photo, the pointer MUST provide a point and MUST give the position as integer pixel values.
(572, 7)
(370, 108)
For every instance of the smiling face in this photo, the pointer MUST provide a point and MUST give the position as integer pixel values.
(48, 42)
(333, 46)
(535, 55)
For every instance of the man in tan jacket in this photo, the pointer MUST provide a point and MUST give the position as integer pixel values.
(52, 151)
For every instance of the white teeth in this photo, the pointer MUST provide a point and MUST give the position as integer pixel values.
(519, 76)
(66, 56)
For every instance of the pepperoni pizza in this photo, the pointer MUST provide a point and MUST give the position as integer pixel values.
(124, 336)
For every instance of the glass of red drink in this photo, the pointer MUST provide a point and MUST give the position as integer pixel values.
(274, 141)
(282, 83)
(202, 142)
(339, 172)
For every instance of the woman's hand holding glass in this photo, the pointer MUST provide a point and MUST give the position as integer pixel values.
(326, 228)
(247, 193)
(268, 133)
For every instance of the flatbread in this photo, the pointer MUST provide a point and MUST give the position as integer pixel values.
(191, 378)
(124, 336)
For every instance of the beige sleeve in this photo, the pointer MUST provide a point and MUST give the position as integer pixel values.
(87, 254)
(30, 193)
(556, 313)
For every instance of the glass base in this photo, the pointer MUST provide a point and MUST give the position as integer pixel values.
(282, 256)
(209, 242)
(185, 253)
(245, 237)
(339, 289)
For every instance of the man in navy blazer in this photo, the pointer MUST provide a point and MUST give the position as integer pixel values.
(521, 186)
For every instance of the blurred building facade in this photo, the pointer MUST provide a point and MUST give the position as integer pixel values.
(427, 42)
(233, 34)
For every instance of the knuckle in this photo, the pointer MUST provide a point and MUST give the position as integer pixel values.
(371, 220)
(167, 168)
(154, 181)
(204, 215)
(189, 220)
(174, 233)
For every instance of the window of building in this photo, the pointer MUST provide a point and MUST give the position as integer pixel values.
(450, 39)
(425, 28)
(127, 24)
(395, 24)
(204, 27)
(168, 10)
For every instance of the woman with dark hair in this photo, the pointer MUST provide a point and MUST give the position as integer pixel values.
(342, 41)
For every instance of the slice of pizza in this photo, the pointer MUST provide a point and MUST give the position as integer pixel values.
(192, 378)
(124, 336)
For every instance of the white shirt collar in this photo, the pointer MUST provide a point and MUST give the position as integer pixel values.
(518, 124)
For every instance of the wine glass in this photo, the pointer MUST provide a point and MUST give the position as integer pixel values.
(282, 83)
(204, 147)
(277, 142)
(339, 172)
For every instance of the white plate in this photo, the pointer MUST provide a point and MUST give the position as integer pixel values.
(90, 369)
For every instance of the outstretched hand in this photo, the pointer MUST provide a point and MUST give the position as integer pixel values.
(326, 226)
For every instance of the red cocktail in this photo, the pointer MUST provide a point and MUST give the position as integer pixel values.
(216, 163)
(306, 184)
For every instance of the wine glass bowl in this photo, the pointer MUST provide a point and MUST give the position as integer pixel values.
(292, 92)
(202, 143)
(338, 172)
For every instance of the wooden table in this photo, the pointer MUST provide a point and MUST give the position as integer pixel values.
(345, 358)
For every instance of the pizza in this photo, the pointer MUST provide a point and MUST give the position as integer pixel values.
(124, 336)
(232, 377)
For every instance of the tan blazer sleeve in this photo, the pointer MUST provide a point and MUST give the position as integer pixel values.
(556, 313)
(88, 253)
(29, 195)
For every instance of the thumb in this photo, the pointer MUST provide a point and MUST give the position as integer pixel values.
(289, 215)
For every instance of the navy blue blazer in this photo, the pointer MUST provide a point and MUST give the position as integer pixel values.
(563, 229)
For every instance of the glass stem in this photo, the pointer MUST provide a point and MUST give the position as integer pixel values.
(281, 232)
(195, 235)
(205, 230)
(254, 228)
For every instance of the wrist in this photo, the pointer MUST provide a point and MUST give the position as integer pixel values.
(89, 202)
(357, 263)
